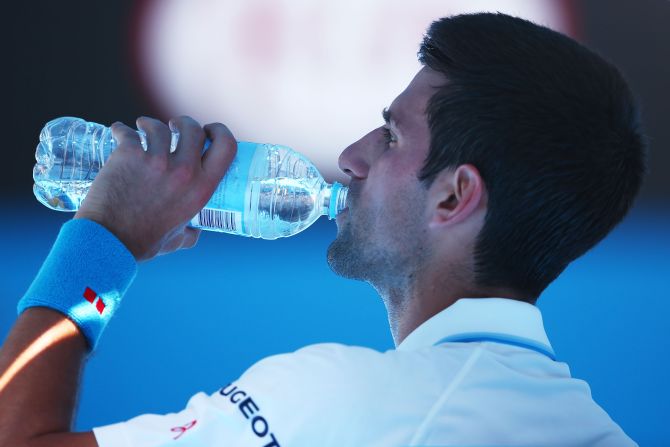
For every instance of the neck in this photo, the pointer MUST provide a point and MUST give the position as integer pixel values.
(415, 300)
(404, 318)
(408, 305)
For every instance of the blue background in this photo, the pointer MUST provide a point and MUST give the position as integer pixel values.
(196, 319)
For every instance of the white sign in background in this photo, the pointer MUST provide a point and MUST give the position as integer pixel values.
(312, 75)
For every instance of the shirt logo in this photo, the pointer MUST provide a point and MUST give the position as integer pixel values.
(249, 409)
(94, 299)
(183, 428)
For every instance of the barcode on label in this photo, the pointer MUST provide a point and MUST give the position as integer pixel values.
(218, 219)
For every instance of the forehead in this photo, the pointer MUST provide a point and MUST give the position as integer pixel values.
(409, 107)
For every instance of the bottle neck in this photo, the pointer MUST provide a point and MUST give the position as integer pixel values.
(333, 199)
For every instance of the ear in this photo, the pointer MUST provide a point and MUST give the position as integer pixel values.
(455, 195)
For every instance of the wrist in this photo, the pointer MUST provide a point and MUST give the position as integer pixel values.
(125, 239)
(85, 275)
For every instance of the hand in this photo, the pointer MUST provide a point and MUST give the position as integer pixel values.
(147, 198)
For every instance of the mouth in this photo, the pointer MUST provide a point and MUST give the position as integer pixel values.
(340, 216)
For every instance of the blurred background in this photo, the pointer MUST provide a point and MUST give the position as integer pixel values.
(312, 75)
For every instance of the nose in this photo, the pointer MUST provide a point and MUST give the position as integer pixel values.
(353, 161)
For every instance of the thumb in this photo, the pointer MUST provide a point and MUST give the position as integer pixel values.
(186, 238)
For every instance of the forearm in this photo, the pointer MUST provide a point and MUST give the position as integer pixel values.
(62, 315)
(40, 366)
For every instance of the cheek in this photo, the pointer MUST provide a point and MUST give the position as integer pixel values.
(398, 173)
(393, 163)
(395, 197)
(391, 180)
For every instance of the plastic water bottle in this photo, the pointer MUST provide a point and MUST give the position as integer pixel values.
(269, 191)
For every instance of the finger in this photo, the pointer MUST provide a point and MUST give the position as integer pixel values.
(221, 152)
(191, 236)
(125, 136)
(191, 139)
(187, 238)
(158, 135)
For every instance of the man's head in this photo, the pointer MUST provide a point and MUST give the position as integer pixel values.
(541, 136)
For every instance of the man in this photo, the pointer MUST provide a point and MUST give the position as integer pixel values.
(512, 152)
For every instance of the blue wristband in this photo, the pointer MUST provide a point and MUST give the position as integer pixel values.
(85, 275)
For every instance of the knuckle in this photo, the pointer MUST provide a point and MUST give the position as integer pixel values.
(119, 129)
(144, 121)
(158, 162)
(184, 173)
(151, 124)
(218, 129)
(183, 121)
(220, 132)
(127, 142)
(216, 126)
(188, 127)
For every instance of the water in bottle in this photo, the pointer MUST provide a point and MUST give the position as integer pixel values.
(269, 191)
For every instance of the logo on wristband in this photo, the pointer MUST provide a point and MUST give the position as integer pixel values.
(93, 298)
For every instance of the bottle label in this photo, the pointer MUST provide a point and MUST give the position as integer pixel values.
(222, 220)
(225, 209)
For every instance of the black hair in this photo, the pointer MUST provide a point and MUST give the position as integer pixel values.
(553, 130)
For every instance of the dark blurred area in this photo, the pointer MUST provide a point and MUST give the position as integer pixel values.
(77, 58)
(71, 58)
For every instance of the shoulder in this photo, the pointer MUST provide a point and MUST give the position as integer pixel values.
(340, 362)
(332, 367)
(330, 378)
(357, 359)
(319, 392)
(319, 366)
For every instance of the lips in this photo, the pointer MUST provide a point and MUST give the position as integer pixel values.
(341, 214)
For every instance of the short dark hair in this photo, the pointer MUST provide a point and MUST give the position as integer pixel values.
(553, 130)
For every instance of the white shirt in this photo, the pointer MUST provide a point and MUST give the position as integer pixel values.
(481, 372)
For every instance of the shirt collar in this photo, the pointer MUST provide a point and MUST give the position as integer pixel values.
(483, 319)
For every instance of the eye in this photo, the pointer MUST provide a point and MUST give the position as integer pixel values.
(388, 136)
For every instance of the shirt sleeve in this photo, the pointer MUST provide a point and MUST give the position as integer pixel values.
(203, 422)
(291, 399)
